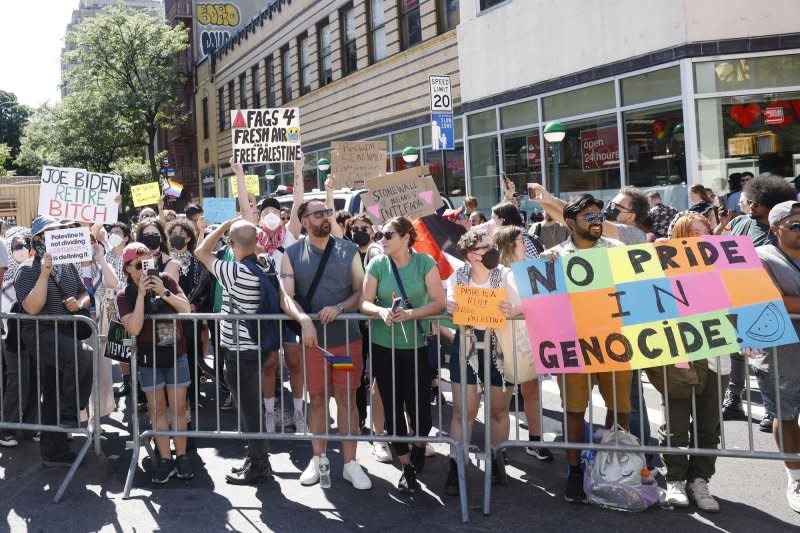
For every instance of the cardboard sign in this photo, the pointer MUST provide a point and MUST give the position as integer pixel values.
(266, 135)
(146, 194)
(77, 194)
(599, 148)
(648, 305)
(71, 245)
(410, 193)
(251, 182)
(218, 210)
(479, 307)
(354, 162)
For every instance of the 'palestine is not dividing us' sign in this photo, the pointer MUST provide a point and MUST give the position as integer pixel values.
(266, 135)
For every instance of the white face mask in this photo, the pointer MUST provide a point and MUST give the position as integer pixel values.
(271, 221)
(114, 240)
(20, 256)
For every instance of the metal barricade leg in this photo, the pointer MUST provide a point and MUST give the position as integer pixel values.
(135, 442)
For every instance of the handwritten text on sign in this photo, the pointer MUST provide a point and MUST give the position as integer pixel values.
(479, 307)
(650, 305)
(410, 193)
(77, 194)
(146, 194)
(357, 161)
(265, 135)
(69, 245)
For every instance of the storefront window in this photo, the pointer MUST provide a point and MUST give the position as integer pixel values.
(748, 73)
(651, 86)
(759, 133)
(482, 122)
(656, 154)
(456, 175)
(579, 101)
(484, 172)
(589, 159)
(404, 139)
(522, 114)
(522, 159)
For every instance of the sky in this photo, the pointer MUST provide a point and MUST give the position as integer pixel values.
(31, 38)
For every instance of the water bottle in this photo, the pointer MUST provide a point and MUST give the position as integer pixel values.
(324, 472)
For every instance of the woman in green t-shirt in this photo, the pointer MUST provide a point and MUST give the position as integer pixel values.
(398, 339)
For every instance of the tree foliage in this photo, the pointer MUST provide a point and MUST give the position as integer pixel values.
(13, 117)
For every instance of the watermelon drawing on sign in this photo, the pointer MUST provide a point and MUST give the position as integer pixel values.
(768, 326)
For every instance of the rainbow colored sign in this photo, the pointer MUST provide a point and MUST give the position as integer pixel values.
(649, 305)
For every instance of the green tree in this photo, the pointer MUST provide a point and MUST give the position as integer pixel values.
(125, 60)
(13, 117)
(5, 155)
(38, 145)
(135, 171)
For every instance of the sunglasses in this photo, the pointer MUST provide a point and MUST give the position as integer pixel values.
(750, 202)
(322, 213)
(18, 247)
(619, 207)
(386, 235)
(793, 226)
(362, 229)
(595, 217)
(137, 265)
(284, 219)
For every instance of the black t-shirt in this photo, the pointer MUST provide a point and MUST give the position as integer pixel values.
(64, 282)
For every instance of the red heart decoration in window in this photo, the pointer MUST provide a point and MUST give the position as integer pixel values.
(745, 115)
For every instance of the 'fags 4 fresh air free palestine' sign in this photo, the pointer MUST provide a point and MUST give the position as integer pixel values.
(265, 135)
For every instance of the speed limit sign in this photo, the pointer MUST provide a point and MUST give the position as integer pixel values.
(441, 99)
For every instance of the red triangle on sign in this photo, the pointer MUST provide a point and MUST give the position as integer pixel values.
(239, 121)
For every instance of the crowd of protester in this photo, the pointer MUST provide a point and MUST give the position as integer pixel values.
(325, 263)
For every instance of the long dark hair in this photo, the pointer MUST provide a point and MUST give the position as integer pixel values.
(509, 213)
(150, 222)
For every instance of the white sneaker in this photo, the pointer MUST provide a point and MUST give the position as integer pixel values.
(311, 474)
(356, 476)
(299, 422)
(698, 491)
(381, 451)
(793, 495)
(676, 494)
(269, 421)
(429, 451)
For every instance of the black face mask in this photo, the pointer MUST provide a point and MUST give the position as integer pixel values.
(361, 238)
(39, 248)
(491, 258)
(152, 241)
(611, 212)
(178, 242)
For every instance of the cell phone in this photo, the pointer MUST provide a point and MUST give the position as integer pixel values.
(396, 303)
(149, 266)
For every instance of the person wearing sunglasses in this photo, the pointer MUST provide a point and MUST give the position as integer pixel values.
(584, 216)
(760, 194)
(782, 262)
(161, 342)
(400, 360)
(336, 266)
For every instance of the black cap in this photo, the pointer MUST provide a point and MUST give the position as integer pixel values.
(269, 201)
(192, 210)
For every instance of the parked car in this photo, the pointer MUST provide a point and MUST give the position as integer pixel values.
(352, 200)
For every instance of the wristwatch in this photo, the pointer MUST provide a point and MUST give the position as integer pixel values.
(340, 307)
(167, 293)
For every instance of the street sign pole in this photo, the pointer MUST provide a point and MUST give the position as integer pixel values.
(442, 130)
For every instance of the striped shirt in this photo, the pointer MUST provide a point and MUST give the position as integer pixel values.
(241, 293)
(64, 281)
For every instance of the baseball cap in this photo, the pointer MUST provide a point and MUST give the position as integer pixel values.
(452, 214)
(44, 223)
(781, 211)
(133, 251)
(269, 201)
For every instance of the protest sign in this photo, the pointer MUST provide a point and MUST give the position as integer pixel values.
(251, 182)
(265, 135)
(410, 193)
(647, 305)
(71, 245)
(354, 162)
(218, 210)
(77, 194)
(146, 194)
(479, 307)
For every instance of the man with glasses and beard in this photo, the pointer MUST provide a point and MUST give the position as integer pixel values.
(585, 219)
(323, 274)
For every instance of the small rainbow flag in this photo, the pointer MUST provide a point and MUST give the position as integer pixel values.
(338, 362)
(173, 188)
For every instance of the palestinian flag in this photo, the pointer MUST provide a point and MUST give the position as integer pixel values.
(438, 238)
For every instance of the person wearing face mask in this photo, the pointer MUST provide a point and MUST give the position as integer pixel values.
(482, 270)
(151, 234)
(399, 353)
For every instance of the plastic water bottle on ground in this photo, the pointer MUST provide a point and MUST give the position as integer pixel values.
(324, 472)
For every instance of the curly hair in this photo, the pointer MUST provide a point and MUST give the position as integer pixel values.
(187, 228)
(640, 205)
(348, 224)
(404, 227)
(505, 239)
(470, 240)
(769, 191)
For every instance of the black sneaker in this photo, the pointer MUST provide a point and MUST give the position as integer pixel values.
(766, 423)
(240, 469)
(64, 460)
(228, 404)
(184, 467)
(732, 406)
(418, 458)
(408, 483)
(8, 440)
(543, 454)
(252, 473)
(125, 388)
(451, 485)
(499, 476)
(574, 492)
(165, 470)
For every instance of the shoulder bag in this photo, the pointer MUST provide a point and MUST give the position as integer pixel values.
(431, 341)
(305, 302)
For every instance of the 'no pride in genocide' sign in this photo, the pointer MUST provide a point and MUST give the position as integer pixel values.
(650, 305)
(410, 193)
(265, 135)
(71, 245)
(77, 194)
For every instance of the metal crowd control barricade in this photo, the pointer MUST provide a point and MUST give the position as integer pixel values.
(209, 425)
(41, 371)
(724, 449)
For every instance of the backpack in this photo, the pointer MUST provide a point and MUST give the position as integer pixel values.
(268, 331)
(616, 479)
